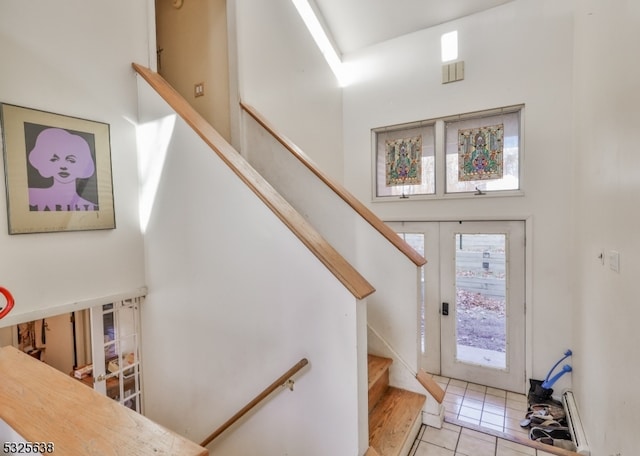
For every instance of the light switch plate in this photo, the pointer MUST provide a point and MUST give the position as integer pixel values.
(614, 260)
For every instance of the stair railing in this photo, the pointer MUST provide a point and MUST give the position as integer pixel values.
(423, 378)
(338, 189)
(285, 380)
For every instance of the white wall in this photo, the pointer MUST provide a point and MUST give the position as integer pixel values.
(394, 276)
(285, 77)
(606, 163)
(235, 299)
(516, 53)
(74, 57)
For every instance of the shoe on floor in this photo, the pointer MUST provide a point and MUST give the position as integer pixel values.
(553, 432)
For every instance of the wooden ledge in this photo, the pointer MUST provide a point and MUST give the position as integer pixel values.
(45, 405)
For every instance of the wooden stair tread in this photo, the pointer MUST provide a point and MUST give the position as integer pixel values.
(393, 418)
(377, 366)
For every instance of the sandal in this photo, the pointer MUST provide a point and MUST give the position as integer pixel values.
(558, 443)
(550, 423)
(551, 410)
(553, 432)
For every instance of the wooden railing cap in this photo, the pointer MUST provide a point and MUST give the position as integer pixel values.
(338, 189)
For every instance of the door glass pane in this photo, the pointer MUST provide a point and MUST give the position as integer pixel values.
(126, 320)
(133, 403)
(481, 299)
(416, 241)
(110, 341)
(113, 387)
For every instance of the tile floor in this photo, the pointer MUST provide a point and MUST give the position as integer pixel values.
(453, 440)
(480, 407)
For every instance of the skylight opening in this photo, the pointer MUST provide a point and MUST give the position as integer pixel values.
(449, 46)
(322, 40)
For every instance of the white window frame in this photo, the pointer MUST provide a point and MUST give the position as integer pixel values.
(440, 157)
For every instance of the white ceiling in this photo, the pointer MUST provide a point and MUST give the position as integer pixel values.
(355, 24)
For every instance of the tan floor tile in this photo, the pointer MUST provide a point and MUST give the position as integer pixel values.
(495, 420)
(473, 403)
(495, 409)
(452, 398)
(469, 445)
(476, 387)
(521, 432)
(517, 405)
(515, 414)
(427, 449)
(453, 389)
(450, 416)
(513, 423)
(496, 392)
(468, 420)
(520, 449)
(452, 427)
(458, 383)
(444, 438)
(477, 395)
(490, 427)
(470, 412)
(495, 400)
(441, 379)
(516, 397)
(478, 435)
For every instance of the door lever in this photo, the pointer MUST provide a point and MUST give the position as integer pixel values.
(445, 308)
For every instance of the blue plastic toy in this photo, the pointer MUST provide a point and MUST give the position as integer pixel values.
(548, 382)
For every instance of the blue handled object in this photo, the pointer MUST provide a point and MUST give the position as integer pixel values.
(566, 355)
(549, 383)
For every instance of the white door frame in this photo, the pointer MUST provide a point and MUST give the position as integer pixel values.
(431, 360)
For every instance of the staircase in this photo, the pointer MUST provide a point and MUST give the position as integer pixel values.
(395, 415)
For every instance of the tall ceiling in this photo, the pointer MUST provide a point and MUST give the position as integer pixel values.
(355, 24)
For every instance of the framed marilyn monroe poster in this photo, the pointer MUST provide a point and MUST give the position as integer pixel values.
(58, 172)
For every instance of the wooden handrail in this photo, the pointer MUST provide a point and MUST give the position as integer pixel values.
(338, 189)
(281, 381)
(347, 274)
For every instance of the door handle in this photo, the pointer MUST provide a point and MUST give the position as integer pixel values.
(445, 308)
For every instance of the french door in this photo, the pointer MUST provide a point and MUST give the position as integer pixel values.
(483, 303)
(115, 332)
(474, 300)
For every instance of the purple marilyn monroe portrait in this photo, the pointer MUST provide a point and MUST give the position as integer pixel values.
(57, 171)
(61, 170)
